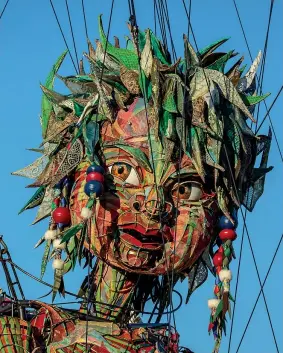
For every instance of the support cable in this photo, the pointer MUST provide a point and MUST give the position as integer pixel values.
(261, 291)
(262, 69)
(62, 33)
(72, 32)
(237, 284)
(4, 8)
(268, 111)
(85, 22)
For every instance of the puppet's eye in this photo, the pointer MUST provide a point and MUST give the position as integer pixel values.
(190, 191)
(125, 172)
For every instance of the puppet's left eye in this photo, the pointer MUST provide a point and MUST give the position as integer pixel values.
(125, 172)
(190, 191)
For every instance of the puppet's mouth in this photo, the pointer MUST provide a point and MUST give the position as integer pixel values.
(150, 241)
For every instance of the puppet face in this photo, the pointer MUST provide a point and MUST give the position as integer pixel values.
(155, 214)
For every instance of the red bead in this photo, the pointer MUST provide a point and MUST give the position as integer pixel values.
(217, 259)
(216, 290)
(221, 250)
(57, 201)
(95, 176)
(227, 234)
(218, 269)
(61, 215)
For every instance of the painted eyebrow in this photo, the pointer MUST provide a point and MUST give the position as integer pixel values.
(136, 153)
(184, 171)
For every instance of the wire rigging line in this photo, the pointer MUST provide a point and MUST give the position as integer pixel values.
(261, 291)
(72, 32)
(262, 69)
(76, 295)
(4, 8)
(241, 211)
(62, 33)
(237, 284)
(166, 12)
(85, 23)
(269, 109)
(247, 44)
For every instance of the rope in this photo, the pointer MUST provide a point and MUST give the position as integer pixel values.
(4, 8)
(62, 33)
(261, 290)
(237, 283)
(85, 23)
(262, 69)
(80, 297)
(72, 32)
(267, 113)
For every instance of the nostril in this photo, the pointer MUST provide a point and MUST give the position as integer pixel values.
(136, 206)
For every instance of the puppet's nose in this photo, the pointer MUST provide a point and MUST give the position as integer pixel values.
(152, 208)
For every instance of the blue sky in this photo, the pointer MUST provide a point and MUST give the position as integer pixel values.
(30, 42)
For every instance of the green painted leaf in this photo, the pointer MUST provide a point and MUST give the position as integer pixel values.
(45, 258)
(41, 241)
(210, 48)
(140, 157)
(35, 200)
(91, 136)
(58, 283)
(218, 310)
(67, 266)
(68, 234)
(81, 244)
(46, 106)
(125, 57)
(145, 86)
(252, 100)
(219, 65)
(157, 50)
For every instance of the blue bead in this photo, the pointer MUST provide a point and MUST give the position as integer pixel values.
(63, 202)
(95, 168)
(225, 223)
(92, 187)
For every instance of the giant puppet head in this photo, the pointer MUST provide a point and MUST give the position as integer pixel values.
(169, 150)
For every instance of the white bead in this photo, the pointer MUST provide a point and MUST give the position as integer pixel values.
(58, 264)
(50, 234)
(58, 245)
(225, 274)
(213, 303)
(86, 213)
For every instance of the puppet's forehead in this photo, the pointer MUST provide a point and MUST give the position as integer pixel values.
(131, 126)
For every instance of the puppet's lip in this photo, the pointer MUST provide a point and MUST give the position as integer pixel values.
(140, 242)
(147, 240)
(140, 230)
